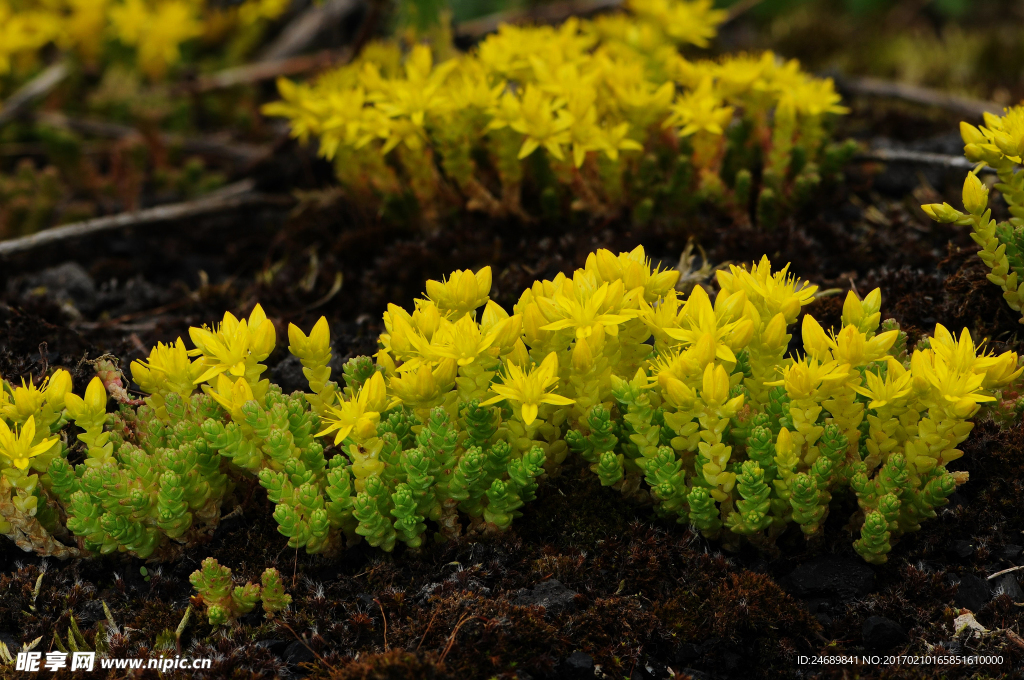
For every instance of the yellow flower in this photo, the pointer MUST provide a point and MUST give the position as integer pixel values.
(235, 346)
(27, 399)
(881, 392)
(803, 378)
(685, 22)
(167, 369)
(231, 394)
(530, 390)
(851, 347)
(700, 111)
(714, 326)
(769, 292)
(588, 308)
(18, 448)
(543, 122)
(425, 384)
(360, 415)
(634, 269)
(464, 342)
(157, 33)
(91, 409)
(948, 369)
(462, 292)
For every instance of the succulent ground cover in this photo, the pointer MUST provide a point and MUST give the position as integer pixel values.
(619, 589)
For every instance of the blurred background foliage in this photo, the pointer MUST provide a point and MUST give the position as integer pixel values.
(970, 47)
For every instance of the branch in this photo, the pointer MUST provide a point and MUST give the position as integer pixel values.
(304, 29)
(232, 197)
(37, 88)
(917, 158)
(269, 70)
(282, 58)
(915, 94)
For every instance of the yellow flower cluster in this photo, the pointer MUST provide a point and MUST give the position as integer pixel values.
(727, 430)
(1000, 145)
(592, 94)
(228, 368)
(30, 416)
(156, 29)
(688, 402)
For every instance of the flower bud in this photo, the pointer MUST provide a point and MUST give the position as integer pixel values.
(96, 396)
(1007, 144)
(676, 391)
(533, 322)
(775, 332)
(607, 265)
(374, 392)
(853, 310)
(965, 407)
(971, 134)
(816, 343)
(58, 387)
(975, 195)
(740, 336)
(582, 358)
(427, 319)
(519, 356)
(942, 212)
(264, 337)
(715, 385)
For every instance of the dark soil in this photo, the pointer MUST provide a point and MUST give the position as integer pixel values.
(584, 584)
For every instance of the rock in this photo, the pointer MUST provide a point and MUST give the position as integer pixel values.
(578, 665)
(297, 653)
(134, 295)
(973, 592)
(68, 285)
(1007, 585)
(1012, 551)
(881, 634)
(288, 374)
(551, 595)
(830, 576)
(366, 599)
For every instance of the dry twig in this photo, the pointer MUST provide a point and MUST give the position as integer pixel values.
(233, 197)
(915, 94)
(918, 158)
(37, 88)
(304, 29)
